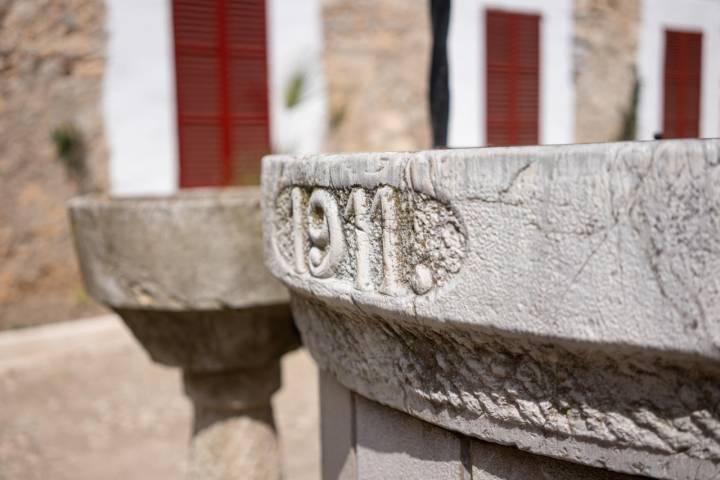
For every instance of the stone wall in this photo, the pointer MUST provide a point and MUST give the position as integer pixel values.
(51, 65)
(377, 59)
(605, 50)
(376, 64)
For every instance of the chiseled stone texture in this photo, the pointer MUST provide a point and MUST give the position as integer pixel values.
(561, 299)
(376, 59)
(605, 47)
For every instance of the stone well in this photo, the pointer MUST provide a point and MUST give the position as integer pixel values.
(186, 275)
(508, 313)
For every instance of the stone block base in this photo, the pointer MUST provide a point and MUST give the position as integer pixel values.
(365, 440)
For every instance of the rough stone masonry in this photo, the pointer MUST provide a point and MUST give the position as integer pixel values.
(564, 300)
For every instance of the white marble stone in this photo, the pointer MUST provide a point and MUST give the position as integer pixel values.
(562, 299)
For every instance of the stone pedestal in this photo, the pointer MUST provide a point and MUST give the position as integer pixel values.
(185, 274)
(540, 312)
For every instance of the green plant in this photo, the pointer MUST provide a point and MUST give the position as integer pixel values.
(337, 117)
(295, 91)
(79, 296)
(70, 150)
(628, 131)
(301, 86)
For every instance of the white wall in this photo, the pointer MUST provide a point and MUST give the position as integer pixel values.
(296, 43)
(466, 52)
(139, 89)
(691, 15)
(139, 97)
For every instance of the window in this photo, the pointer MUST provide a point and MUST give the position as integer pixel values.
(512, 43)
(222, 93)
(683, 65)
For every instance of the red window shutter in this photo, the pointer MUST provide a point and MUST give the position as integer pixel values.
(683, 73)
(222, 92)
(512, 83)
(247, 70)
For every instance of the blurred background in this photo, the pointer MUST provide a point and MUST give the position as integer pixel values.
(145, 97)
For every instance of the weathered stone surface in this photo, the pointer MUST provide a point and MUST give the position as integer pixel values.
(186, 275)
(213, 340)
(560, 299)
(195, 251)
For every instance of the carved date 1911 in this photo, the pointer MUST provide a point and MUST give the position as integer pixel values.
(387, 240)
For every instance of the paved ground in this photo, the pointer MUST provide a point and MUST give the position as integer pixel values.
(80, 400)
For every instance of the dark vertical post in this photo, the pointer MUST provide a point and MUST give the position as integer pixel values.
(439, 88)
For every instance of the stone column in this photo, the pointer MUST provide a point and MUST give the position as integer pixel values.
(186, 275)
(539, 312)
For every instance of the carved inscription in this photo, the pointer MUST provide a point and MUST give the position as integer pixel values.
(391, 241)
(324, 227)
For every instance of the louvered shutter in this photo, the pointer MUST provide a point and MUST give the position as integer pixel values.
(247, 70)
(222, 93)
(683, 69)
(512, 45)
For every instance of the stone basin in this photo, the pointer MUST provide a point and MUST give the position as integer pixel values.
(185, 273)
(556, 306)
(197, 249)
